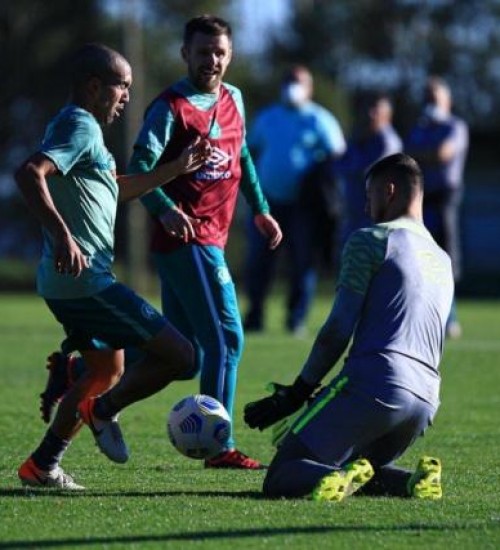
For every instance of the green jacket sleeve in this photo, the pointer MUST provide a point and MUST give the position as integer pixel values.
(250, 186)
(157, 201)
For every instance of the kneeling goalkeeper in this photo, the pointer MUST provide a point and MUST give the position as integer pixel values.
(394, 295)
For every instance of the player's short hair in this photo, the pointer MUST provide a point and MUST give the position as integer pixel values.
(92, 60)
(402, 170)
(207, 24)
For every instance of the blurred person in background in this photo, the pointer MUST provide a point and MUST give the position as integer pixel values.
(439, 141)
(289, 139)
(373, 138)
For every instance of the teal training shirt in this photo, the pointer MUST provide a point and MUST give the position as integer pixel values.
(287, 142)
(407, 284)
(86, 194)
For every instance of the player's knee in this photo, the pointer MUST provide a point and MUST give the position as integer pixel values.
(270, 488)
(182, 360)
(100, 382)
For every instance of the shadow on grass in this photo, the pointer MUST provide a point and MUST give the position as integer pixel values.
(44, 493)
(226, 534)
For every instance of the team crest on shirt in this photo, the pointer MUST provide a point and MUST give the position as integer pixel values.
(216, 167)
(148, 312)
(432, 268)
(223, 275)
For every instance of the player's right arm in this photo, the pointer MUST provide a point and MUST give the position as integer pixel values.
(334, 336)
(361, 258)
(31, 178)
(152, 140)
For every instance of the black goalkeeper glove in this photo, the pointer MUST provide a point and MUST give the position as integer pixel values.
(283, 402)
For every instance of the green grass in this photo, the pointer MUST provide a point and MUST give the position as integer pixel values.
(160, 499)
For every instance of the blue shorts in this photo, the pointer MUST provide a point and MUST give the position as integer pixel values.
(115, 318)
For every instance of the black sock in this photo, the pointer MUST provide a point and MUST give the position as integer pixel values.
(50, 451)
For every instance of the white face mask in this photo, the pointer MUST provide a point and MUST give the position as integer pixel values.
(294, 94)
(435, 113)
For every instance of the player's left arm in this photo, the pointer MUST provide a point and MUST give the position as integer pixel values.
(252, 191)
(250, 185)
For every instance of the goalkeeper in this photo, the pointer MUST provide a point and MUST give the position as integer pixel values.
(394, 295)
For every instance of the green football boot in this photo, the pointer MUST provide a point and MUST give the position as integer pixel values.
(342, 483)
(425, 482)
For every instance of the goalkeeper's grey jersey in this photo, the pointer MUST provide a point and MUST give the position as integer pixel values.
(408, 286)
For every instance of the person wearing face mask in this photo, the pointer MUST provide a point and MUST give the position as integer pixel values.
(439, 141)
(288, 139)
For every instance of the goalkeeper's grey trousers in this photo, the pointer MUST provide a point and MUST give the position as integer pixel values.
(347, 427)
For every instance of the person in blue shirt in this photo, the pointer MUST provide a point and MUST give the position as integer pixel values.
(393, 298)
(440, 141)
(288, 139)
(71, 186)
(373, 138)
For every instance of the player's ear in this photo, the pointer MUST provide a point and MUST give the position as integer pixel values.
(391, 190)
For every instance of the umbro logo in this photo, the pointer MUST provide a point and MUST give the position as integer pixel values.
(216, 167)
(218, 158)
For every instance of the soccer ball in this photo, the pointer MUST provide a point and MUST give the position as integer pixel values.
(199, 426)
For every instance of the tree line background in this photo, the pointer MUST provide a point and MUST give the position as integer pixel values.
(352, 48)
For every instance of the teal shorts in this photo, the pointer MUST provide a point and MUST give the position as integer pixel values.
(115, 318)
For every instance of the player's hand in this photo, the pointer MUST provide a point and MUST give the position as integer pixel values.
(194, 155)
(178, 224)
(270, 228)
(282, 403)
(68, 258)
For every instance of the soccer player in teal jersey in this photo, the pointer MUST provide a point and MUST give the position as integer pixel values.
(393, 297)
(192, 216)
(72, 187)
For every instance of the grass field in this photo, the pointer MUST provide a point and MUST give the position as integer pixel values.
(161, 500)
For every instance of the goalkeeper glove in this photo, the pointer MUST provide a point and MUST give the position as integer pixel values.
(283, 402)
(282, 427)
